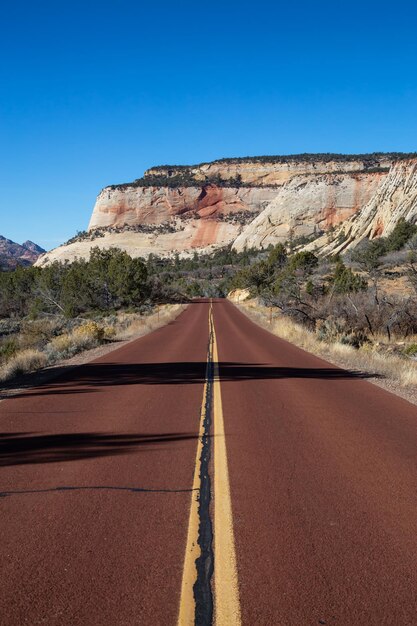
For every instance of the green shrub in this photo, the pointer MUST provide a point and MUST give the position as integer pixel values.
(304, 260)
(346, 281)
(411, 350)
(8, 347)
(355, 339)
(401, 234)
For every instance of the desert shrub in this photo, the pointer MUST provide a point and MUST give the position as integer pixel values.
(9, 326)
(62, 344)
(345, 280)
(355, 339)
(37, 332)
(331, 329)
(368, 254)
(88, 335)
(22, 363)
(411, 350)
(403, 371)
(90, 330)
(109, 332)
(398, 257)
(8, 347)
(309, 287)
(401, 234)
(277, 256)
(304, 260)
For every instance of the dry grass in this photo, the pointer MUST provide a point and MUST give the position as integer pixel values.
(23, 362)
(84, 337)
(402, 370)
(132, 325)
(87, 335)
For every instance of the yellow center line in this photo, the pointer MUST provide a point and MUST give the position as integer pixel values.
(186, 615)
(227, 605)
(226, 601)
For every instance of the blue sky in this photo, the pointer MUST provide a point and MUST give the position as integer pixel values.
(93, 93)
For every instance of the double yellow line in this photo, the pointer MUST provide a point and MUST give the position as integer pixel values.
(226, 593)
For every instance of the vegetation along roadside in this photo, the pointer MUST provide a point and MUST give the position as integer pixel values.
(363, 304)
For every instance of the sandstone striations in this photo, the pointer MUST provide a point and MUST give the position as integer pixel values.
(249, 202)
(155, 205)
(276, 170)
(306, 205)
(394, 198)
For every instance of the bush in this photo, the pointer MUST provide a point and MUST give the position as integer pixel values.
(35, 333)
(368, 253)
(401, 234)
(346, 281)
(22, 363)
(109, 332)
(8, 348)
(411, 350)
(88, 335)
(355, 339)
(90, 331)
(331, 329)
(304, 260)
(277, 256)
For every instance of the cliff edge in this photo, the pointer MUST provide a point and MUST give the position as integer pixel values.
(248, 202)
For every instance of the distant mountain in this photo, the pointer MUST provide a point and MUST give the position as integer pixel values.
(13, 254)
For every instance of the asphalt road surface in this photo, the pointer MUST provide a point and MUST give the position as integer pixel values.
(299, 479)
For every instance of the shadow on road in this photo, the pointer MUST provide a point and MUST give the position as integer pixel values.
(25, 448)
(92, 377)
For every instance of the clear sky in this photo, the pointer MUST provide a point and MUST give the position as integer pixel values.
(93, 93)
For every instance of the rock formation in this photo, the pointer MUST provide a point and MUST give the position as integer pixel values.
(395, 198)
(249, 202)
(309, 204)
(133, 205)
(13, 254)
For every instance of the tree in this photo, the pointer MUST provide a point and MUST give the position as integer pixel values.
(401, 234)
(345, 280)
(305, 261)
(277, 256)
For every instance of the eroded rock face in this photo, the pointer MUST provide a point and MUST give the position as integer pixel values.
(307, 204)
(275, 172)
(187, 237)
(250, 202)
(394, 198)
(155, 205)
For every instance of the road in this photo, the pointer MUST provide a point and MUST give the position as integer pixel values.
(292, 482)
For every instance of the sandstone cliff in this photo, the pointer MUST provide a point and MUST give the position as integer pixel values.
(394, 198)
(245, 202)
(276, 170)
(131, 205)
(309, 204)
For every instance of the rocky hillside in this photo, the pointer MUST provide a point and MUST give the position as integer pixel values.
(13, 254)
(249, 202)
(308, 205)
(394, 198)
